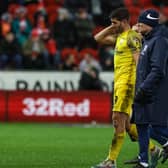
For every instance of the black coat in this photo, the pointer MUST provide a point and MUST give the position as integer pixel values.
(152, 79)
(9, 48)
(87, 82)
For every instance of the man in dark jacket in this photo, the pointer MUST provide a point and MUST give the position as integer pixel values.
(150, 105)
(10, 52)
(90, 80)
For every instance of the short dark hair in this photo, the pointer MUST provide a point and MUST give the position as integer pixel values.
(120, 14)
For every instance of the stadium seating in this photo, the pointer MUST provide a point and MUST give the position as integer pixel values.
(12, 8)
(68, 51)
(134, 11)
(165, 11)
(52, 6)
(90, 51)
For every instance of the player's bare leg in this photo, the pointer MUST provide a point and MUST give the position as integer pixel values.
(119, 121)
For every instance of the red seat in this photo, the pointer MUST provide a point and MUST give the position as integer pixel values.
(97, 29)
(52, 13)
(49, 2)
(68, 51)
(144, 3)
(134, 10)
(52, 18)
(52, 9)
(12, 8)
(31, 18)
(133, 19)
(53, 2)
(31, 8)
(128, 3)
(165, 11)
(151, 7)
(90, 51)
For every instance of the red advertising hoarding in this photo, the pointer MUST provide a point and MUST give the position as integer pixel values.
(3, 106)
(67, 107)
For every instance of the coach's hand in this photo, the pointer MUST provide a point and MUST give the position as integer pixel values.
(143, 97)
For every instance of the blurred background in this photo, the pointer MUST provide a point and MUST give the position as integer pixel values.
(51, 68)
(58, 34)
(51, 72)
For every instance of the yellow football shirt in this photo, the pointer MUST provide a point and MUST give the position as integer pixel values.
(127, 43)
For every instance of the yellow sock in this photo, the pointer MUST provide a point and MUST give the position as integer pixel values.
(151, 146)
(133, 132)
(116, 146)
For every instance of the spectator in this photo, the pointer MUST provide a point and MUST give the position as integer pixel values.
(36, 55)
(73, 5)
(69, 63)
(88, 62)
(96, 7)
(84, 26)
(63, 29)
(6, 20)
(107, 58)
(41, 17)
(21, 25)
(10, 52)
(90, 80)
(51, 47)
(41, 23)
(97, 12)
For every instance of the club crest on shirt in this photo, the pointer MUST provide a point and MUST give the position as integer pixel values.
(144, 50)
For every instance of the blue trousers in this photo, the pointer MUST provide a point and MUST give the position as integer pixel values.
(159, 134)
(145, 132)
(16, 59)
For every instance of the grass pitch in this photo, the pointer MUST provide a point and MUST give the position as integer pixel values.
(58, 146)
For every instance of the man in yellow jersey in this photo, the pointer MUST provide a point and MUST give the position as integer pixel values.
(127, 47)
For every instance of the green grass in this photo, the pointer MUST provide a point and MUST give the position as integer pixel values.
(56, 146)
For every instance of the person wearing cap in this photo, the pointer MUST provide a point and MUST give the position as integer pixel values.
(151, 93)
(35, 52)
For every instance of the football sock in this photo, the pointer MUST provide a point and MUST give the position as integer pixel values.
(151, 146)
(132, 132)
(116, 146)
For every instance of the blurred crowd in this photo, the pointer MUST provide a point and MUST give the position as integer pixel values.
(58, 34)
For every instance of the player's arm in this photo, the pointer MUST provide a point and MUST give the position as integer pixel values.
(136, 56)
(106, 36)
(135, 43)
(136, 53)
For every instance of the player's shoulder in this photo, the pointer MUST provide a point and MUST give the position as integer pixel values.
(133, 33)
(134, 39)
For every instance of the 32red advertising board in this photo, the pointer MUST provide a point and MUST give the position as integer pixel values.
(67, 107)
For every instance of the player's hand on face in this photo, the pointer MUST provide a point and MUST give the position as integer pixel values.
(115, 23)
(111, 29)
(136, 27)
(114, 26)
